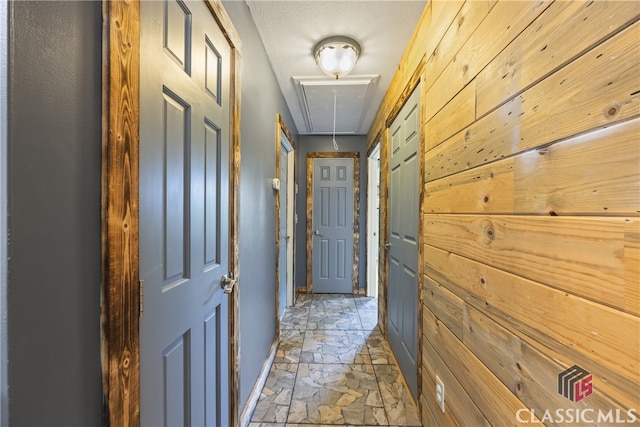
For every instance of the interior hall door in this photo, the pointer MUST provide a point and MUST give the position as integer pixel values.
(332, 225)
(184, 215)
(403, 239)
(283, 230)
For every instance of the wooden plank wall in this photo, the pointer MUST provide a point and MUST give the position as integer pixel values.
(531, 206)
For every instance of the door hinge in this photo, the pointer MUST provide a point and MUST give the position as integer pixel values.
(141, 296)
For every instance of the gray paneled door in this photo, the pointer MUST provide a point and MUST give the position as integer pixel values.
(184, 215)
(403, 238)
(332, 225)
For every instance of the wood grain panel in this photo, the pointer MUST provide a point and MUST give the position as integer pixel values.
(577, 330)
(456, 115)
(565, 31)
(597, 90)
(488, 188)
(383, 229)
(447, 306)
(429, 406)
(530, 374)
(632, 267)
(581, 255)
(596, 173)
(463, 25)
(428, 418)
(493, 398)
(459, 407)
(531, 202)
(506, 20)
(120, 219)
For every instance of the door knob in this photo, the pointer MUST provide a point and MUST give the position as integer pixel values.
(387, 245)
(227, 283)
(317, 233)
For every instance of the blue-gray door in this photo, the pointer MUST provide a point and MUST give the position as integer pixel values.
(403, 238)
(184, 215)
(332, 225)
(284, 230)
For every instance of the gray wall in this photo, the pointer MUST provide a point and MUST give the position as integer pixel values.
(261, 101)
(54, 149)
(309, 143)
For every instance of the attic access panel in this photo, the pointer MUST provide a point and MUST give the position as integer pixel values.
(353, 97)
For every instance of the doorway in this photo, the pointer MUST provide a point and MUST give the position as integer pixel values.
(285, 214)
(404, 202)
(192, 253)
(185, 149)
(333, 197)
(373, 218)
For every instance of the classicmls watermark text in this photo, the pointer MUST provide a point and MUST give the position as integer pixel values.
(576, 383)
(578, 416)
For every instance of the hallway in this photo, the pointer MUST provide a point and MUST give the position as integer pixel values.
(333, 367)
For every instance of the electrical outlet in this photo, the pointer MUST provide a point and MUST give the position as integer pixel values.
(440, 393)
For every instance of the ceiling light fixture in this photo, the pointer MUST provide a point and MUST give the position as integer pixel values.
(336, 56)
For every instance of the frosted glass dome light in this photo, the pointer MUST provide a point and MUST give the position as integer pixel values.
(336, 56)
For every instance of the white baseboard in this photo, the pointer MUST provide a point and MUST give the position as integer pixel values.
(252, 402)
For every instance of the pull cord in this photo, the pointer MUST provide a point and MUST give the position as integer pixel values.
(335, 143)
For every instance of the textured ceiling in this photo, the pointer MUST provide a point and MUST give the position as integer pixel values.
(290, 29)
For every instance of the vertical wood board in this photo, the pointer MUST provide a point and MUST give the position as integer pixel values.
(120, 286)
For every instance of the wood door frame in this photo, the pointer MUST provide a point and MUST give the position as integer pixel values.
(356, 216)
(280, 129)
(121, 289)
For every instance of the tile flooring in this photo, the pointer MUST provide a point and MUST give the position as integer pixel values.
(333, 367)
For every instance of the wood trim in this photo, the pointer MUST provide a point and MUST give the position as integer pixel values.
(280, 128)
(418, 46)
(120, 276)
(283, 127)
(421, 211)
(356, 215)
(120, 329)
(383, 230)
(413, 82)
(372, 146)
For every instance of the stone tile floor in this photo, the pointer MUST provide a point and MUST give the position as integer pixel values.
(333, 367)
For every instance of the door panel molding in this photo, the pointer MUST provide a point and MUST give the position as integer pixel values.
(120, 287)
(356, 214)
